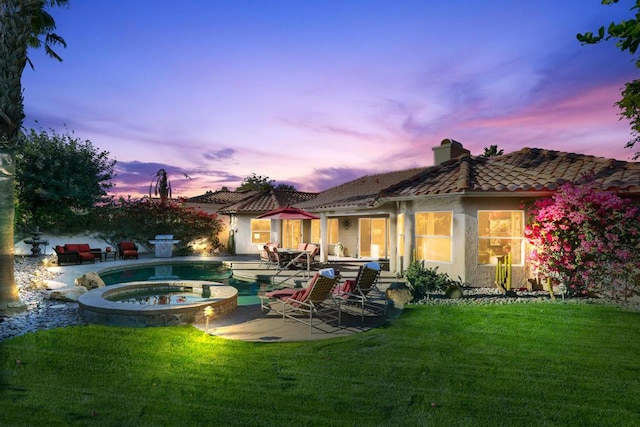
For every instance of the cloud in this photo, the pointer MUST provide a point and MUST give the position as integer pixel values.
(135, 177)
(224, 154)
(331, 177)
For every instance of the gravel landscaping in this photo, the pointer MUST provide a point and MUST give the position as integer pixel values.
(41, 313)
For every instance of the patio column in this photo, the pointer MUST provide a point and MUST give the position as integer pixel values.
(409, 239)
(393, 241)
(324, 247)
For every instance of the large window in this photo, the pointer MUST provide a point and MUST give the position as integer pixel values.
(315, 231)
(434, 236)
(500, 233)
(332, 232)
(291, 233)
(260, 231)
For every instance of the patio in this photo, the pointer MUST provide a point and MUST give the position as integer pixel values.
(249, 323)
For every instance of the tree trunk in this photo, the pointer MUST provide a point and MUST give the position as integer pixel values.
(15, 28)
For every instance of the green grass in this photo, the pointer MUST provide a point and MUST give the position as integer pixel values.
(534, 364)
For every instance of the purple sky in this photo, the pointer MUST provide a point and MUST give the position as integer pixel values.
(315, 93)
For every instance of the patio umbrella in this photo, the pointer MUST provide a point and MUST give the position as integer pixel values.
(287, 212)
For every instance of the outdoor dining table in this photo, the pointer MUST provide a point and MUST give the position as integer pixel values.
(294, 255)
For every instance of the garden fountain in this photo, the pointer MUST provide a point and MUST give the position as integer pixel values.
(35, 242)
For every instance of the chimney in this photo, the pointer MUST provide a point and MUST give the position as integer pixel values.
(447, 150)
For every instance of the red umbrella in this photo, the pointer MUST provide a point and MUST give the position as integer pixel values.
(287, 212)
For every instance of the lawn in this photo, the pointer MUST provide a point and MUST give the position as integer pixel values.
(524, 364)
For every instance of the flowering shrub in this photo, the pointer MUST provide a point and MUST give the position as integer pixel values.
(142, 219)
(585, 239)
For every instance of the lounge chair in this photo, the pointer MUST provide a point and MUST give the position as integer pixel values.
(313, 300)
(363, 291)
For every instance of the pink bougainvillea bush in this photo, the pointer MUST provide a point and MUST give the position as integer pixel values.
(585, 239)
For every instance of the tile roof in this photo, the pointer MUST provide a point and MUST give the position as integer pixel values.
(221, 197)
(527, 170)
(267, 200)
(363, 191)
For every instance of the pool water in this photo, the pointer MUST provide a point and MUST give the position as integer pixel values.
(209, 271)
(160, 298)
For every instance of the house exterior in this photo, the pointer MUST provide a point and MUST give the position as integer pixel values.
(459, 215)
(247, 233)
(212, 201)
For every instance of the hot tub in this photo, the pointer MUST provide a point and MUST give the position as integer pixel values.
(115, 305)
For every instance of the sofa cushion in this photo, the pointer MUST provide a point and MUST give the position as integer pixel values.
(71, 247)
(130, 254)
(83, 247)
(59, 249)
(86, 256)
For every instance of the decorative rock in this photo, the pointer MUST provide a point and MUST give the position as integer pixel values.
(52, 284)
(399, 293)
(69, 294)
(90, 281)
(453, 292)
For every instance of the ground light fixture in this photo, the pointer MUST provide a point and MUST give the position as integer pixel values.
(208, 312)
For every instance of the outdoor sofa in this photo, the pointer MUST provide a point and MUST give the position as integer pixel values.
(76, 253)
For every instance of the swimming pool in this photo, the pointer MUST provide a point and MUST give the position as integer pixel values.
(210, 271)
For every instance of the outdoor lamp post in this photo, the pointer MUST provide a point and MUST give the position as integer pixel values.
(208, 312)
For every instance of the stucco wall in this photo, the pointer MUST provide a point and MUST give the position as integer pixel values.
(464, 262)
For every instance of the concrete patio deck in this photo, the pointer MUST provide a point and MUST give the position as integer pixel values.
(249, 322)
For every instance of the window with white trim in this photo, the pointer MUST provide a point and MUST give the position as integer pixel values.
(260, 231)
(434, 236)
(500, 233)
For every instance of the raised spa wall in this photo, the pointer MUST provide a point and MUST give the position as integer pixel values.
(96, 307)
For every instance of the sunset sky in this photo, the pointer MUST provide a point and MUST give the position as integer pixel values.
(315, 93)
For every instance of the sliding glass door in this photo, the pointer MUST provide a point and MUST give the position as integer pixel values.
(373, 237)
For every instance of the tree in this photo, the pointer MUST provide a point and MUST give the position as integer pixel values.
(256, 182)
(262, 183)
(288, 187)
(627, 36)
(22, 23)
(59, 179)
(492, 151)
(161, 186)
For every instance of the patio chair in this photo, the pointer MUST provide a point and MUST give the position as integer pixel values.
(276, 257)
(312, 250)
(127, 250)
(363, 290)
(264, 257)
(314, 300)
